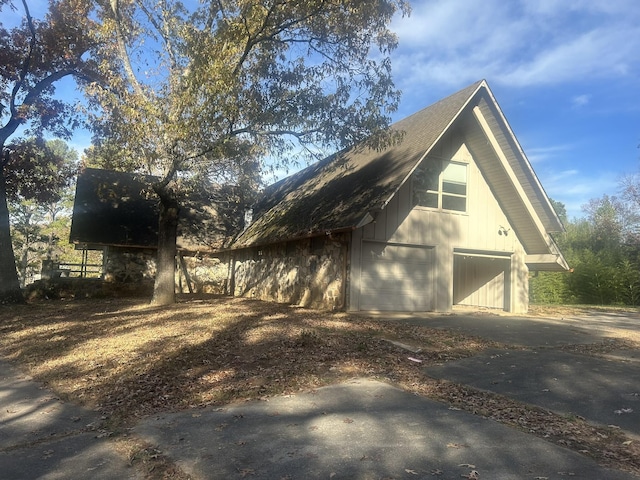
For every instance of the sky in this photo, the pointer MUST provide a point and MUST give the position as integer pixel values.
(566, 74)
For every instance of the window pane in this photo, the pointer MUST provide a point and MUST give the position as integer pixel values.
(455, 173)
(426, 176)
(425, 199)
(457, 188)
(459, 204)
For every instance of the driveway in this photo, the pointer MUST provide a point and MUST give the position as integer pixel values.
(601, 385)
(362, 429)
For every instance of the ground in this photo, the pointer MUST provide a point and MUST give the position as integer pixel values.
(129, 360)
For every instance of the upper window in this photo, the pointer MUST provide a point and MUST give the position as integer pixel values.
(440, 184)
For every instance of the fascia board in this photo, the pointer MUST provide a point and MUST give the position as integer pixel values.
(553, 215)
(493, 141)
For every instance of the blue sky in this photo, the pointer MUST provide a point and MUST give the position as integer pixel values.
(566, 74)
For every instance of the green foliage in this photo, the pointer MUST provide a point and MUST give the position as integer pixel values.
(212, 89)
(602, 250)
(34, 56)
(40, 200)
(39, 170)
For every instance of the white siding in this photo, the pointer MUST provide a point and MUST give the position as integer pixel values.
(475, 230)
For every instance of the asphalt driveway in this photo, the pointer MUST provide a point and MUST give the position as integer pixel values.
(604, 388)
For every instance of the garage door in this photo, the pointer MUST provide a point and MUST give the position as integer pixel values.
(480, 281)
(396, 277)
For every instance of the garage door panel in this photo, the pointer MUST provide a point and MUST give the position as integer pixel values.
(481, 282)
(386, 303)
(396, 277)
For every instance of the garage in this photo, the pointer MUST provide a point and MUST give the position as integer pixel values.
(481, 280)
(396, 277)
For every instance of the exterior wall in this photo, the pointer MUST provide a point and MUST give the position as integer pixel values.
(129, 265)
(206, 274)
(309, 272)
(477, 230)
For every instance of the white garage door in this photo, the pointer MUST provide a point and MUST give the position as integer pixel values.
(480, 281)
(396, 277)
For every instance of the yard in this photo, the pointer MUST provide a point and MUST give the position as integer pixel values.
(128, 360)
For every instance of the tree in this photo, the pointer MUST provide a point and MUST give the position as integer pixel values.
(38, 176)
(34, 56)
(199, 91)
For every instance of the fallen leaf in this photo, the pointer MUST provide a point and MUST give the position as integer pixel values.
(623, 410)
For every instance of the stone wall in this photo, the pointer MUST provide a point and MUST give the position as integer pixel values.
(207, 274)
(129, 265)
(309, 272)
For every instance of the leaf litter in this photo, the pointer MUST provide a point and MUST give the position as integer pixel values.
(130, 360)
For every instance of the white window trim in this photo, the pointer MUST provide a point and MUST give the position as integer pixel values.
(440, 193)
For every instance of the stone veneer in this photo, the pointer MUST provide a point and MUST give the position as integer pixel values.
(207, 274)
(123, 265)
(309, 272)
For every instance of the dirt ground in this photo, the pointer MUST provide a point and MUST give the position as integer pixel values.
(129, 360)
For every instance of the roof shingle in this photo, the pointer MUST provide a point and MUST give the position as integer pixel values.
(338, 192)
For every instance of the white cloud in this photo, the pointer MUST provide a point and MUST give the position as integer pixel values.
(581, 100)
(521, 43)
(543, 154)
(575, 188)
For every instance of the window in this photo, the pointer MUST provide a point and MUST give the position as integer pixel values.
(440, 184)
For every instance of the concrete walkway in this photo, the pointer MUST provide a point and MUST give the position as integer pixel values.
(361, 429)
(44, 438)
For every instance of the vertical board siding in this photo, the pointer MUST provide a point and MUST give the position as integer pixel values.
(477, 229)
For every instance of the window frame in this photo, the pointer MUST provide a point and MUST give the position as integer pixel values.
(442, 195)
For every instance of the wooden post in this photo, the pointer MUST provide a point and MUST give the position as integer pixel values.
(183, 266)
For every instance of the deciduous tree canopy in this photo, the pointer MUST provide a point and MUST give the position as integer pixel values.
(204, 90)
(34, 56)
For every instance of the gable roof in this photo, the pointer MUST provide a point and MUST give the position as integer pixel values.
(117, 209)
(346, 190)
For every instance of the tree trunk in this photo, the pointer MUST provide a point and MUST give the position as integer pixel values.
(10, 292)
(165, 283)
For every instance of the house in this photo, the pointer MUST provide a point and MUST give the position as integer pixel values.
(451, 215)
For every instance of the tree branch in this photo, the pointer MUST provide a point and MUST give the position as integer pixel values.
(122, 48)
(26, 65)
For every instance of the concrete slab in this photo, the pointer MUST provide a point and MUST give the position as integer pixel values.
(42, 437)
(362, 429)
(78, 456)
(31, 413)
(602, 390)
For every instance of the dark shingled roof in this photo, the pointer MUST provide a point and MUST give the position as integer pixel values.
(119, 209)
(110, 208)
(342, 191)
